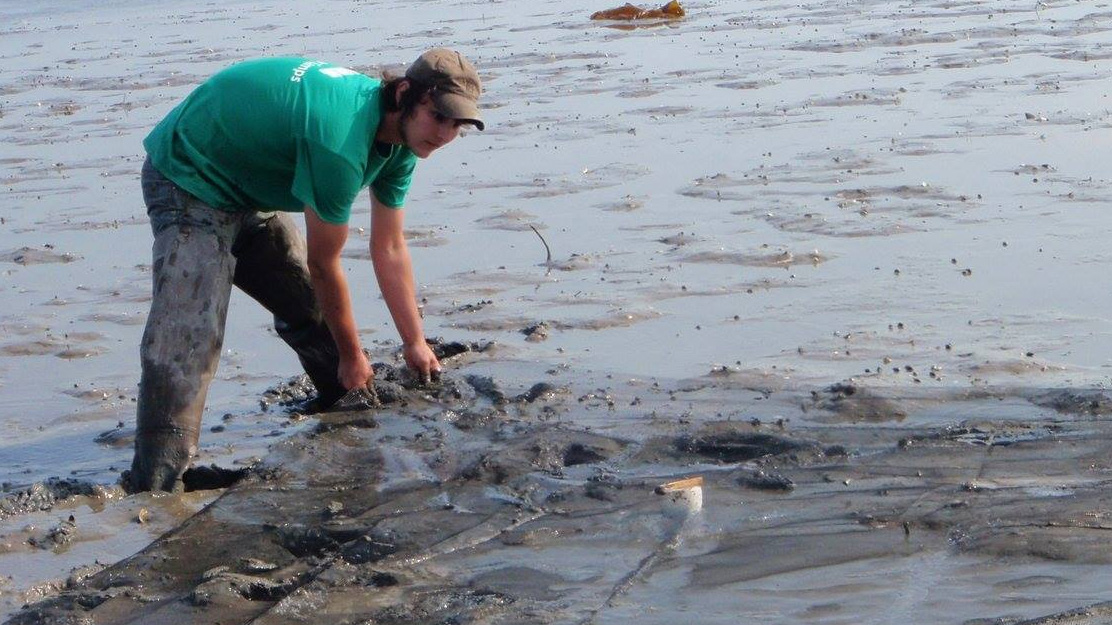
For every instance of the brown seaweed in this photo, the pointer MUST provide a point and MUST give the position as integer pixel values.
(671, 10)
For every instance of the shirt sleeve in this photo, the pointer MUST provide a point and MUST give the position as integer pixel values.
(392, 183)
(326, 181)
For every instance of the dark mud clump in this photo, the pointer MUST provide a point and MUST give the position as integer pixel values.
(224, 587)
(766, 480)
(43, 496)
(536, 333)
(487, 387)
(57, 537)
(1089, 615)
(854, 403)
(578, 453)
(367, 549)
(424, 517)
(1081, 402)
(305, 542)
(733, 442)
(445, 606)
(984, 434)
(474, 419)
(520, 581)
(736, 447)
(119, 436)
(211, 477)
(539, 391)
(200, 478)
(296, 393)
(547, 450)
(392, 384)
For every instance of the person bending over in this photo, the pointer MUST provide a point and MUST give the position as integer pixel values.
(255, 142)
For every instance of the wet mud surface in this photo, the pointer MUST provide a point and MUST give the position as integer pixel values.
(465, 501)
(848, 262)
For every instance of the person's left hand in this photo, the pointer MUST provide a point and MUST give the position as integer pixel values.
(422, 361)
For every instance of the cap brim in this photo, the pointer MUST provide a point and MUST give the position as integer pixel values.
(458, 107)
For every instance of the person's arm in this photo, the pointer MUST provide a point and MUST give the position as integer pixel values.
(394, 272)
(325, 241)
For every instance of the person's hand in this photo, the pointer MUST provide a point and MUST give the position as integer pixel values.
(356, 372)
(422, 361)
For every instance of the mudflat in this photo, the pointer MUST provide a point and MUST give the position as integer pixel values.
(846, 263)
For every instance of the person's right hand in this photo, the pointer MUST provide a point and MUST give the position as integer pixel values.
(421, 359)
(356, 372)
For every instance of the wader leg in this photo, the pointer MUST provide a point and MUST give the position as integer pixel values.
(271, 267)
(192, 275)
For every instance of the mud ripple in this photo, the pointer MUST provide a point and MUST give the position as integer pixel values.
(37, 256)
(783, 258)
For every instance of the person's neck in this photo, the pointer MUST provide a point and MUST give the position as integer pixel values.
(389, 129)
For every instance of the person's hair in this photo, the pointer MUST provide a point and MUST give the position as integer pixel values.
(410, 98)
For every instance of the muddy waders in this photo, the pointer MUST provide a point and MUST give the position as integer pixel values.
(199, 253)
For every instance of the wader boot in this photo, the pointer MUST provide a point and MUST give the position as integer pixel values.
(192, 280)
(271, 267)
(199, 252)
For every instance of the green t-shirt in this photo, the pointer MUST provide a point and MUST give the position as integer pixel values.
(282, 134)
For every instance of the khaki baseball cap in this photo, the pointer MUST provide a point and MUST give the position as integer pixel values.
(455, 84)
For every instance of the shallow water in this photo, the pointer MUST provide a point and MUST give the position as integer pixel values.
(908, 194)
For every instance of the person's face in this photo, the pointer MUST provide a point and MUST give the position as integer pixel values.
(426, 130)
